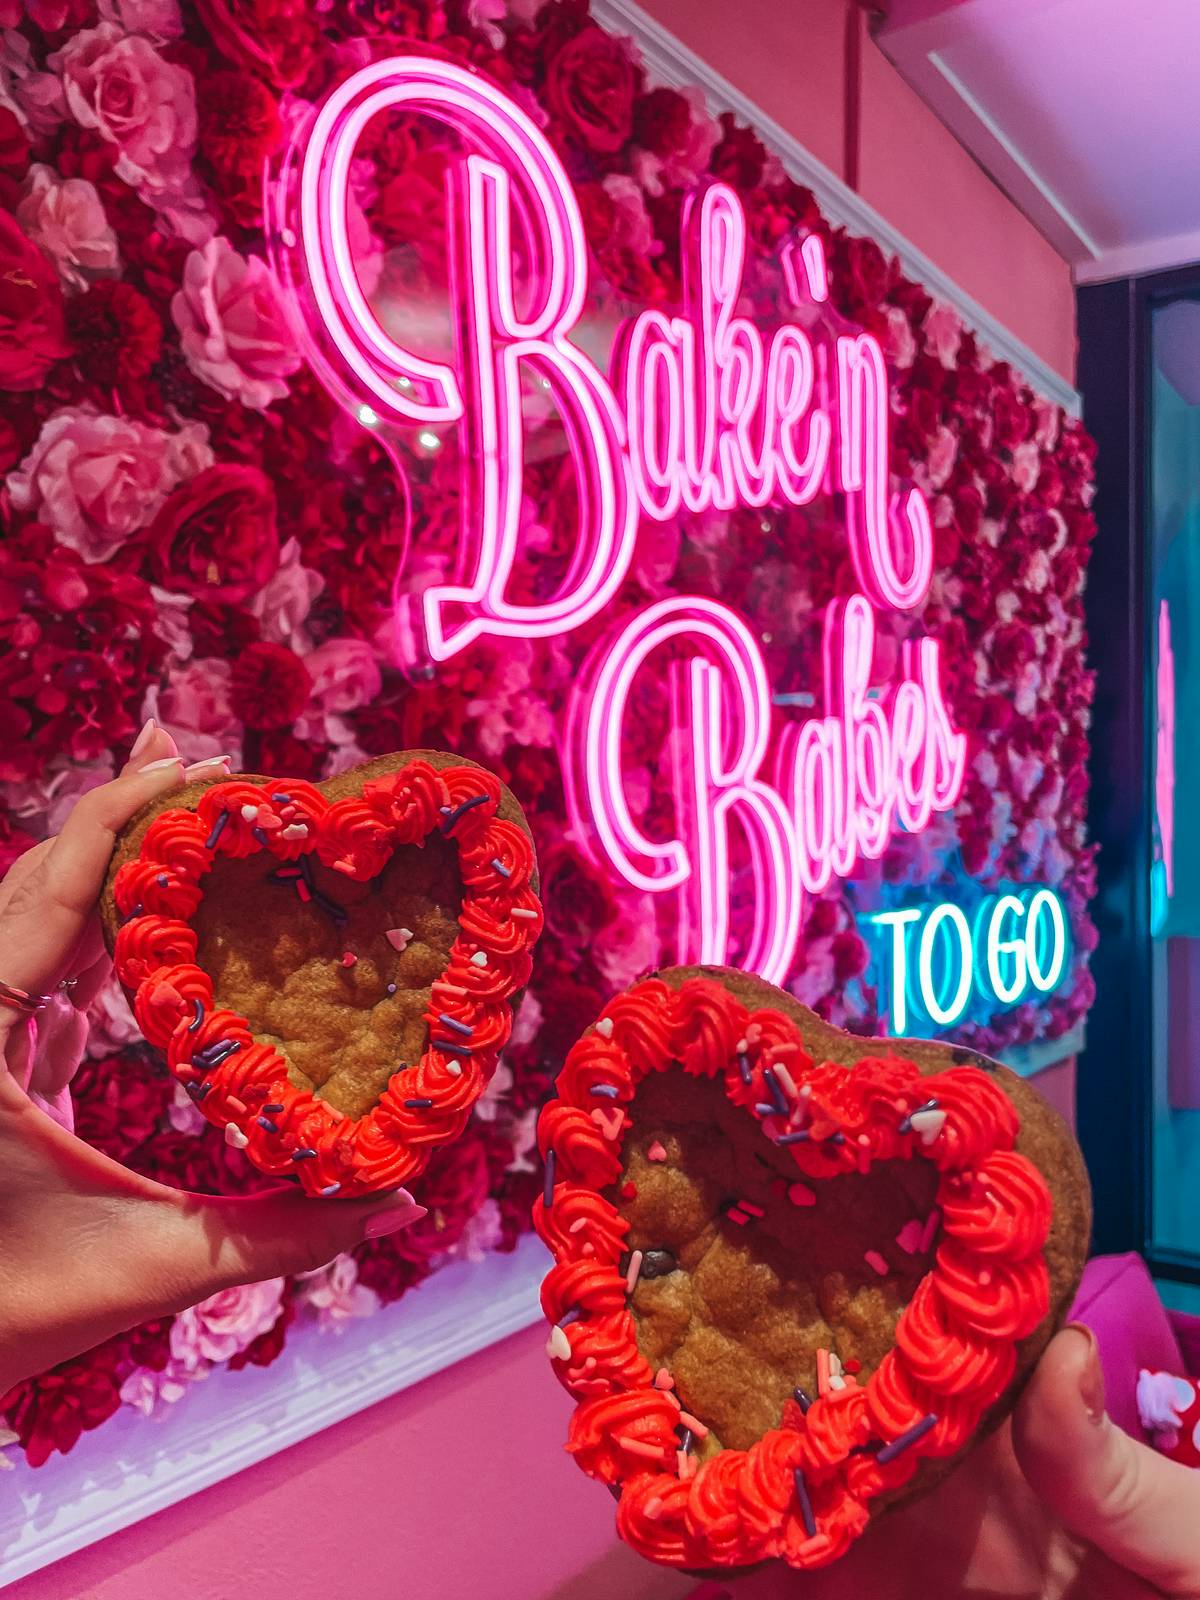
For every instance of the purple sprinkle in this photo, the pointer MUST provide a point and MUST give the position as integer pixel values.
(274, 1106)
(199, 1090)
(806, 1510)
(685, 1438)
(803, 1399)
(445, 810)
(906, 1125)
(219, 827)
(573, 1315)
(213, 1054)
(260, 836)
(500, 867)
(794, 1138)
(303, 1155)
(334, 910)
(917, 1431)
(265, 1122)
(330, 1188)
(284, 799)
(836, 1138)
(776, 1093)
(467, 805)
(421, 1103)
(198, 1018)
(162, 880)
(450, 1047)
(609, 1091)
(391, 988)
(455, 1025)
(548, 1185)
(764, 1110)
(744, 1067)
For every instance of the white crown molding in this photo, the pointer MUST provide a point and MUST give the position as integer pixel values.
(132, 1466)
(672, 63)
(1132, 260)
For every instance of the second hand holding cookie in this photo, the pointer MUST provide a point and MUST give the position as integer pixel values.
(87, 1247)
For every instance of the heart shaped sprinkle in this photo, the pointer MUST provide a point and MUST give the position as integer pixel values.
(399, 938)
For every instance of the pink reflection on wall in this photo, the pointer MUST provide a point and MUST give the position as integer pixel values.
(1164, 762)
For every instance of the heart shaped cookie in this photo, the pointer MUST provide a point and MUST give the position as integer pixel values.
(331, 969)
(797, 1273)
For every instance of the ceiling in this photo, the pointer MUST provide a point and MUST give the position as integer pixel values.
(1087, 112)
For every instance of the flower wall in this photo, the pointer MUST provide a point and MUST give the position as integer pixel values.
(194, 530)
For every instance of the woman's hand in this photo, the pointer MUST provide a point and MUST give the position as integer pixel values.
(88, 1248)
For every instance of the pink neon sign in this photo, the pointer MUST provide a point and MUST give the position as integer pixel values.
(702, 411)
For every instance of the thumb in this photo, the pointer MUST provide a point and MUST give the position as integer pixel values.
(187, 1247)
(1132, 1504)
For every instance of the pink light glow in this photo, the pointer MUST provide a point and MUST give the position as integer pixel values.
(1164, 765)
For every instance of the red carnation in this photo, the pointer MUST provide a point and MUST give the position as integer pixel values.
(49, 1413)
(589, 88)
(239, 121)
(271, 685)
(661, 121)
(215, 536)
(116, 334)
(278, 39)
(32, 332)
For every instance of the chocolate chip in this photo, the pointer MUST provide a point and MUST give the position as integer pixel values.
(971, 1058)
(657, 1263)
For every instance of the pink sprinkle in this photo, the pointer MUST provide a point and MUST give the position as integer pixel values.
(686, 1466)
(822, 1372)
(801, 1195)
(669, 1394)
(609, 1122)
(580, 1222)
(638, 1447)
(589, 1366)
(349, 958)
(656, 1152)
(783, 1077)
(985, 1278)
(753, 1032)
(696, 1426)
(748, 1205)
(783, 1048)
(589, 1249)
(876, 1263)
(634, 1268)
(737, 1216)
(931, 1227)
(653, 1506)
(663, 1379)
(864, 1153)
(910, 1236)
(399, 938)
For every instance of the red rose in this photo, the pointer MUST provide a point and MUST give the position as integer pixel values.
(661, 121)
(215, 536)
(32, 333)
(116, 334)
(589, 88)
(120, 1102)
(275, 38)
(270, 685)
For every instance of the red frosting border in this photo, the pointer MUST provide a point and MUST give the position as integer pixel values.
(235, 1078)
(955, 1350)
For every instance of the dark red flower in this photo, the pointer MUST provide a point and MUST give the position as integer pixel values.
(215, 536)
(120, 1101)
(32, 330)
(589, 89)
(266, 1348)
(14, 142)
(50, 1412)
(739, 156)
(116, 333)
(271, 685)
(278, 39)
(662, 119)
(239, 122)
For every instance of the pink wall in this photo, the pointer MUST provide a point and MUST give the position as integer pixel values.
(791, 60)
(461, 1486)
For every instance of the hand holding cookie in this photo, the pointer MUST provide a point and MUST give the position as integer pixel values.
(88, 1248)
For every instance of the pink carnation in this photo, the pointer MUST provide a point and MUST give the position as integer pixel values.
(65, 218)
(226, 1323)
(196, 709)
(943, 332)
(96, 479)
(345, 676)
(233, 327)
(118, 84)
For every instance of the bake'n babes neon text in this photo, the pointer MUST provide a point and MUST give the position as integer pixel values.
(702, 410)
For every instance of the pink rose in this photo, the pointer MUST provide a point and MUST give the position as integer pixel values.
(899, 342)
(286, 599)
(233, 327)
(147, 1390)
(631, 225)
(96, 479)
(118, 84)
(196, 708)
(336, 1295)
(1026, 465)
(345, 676)
(159, 20)
(943, 331)
(226, 1323)
(65, 218)
(943, 452)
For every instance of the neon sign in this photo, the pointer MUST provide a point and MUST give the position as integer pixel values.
(702, 411)
(941, 965)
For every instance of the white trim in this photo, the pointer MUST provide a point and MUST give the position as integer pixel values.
(1132, 260)
(672, 63)
(132, 1467)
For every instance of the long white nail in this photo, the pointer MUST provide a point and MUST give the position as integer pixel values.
(143, 738)
(201, 769)
(161, 766)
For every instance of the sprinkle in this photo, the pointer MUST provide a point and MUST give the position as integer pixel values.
(250, 813)
(609, 1122)
(218, 829)
(607, 1091)
(568, 1317)
(349, 958)
(605, 1027)
(776, 1093)
(399, 938)
(744, 1066)
(295, 830)
(283, 799)
(330, 1188)
(653, 1506)
(455, 1025)
(784, 1077)
(198, 1091)
(421, 1102)
(629, 1191)
(632, 1271)
(801, 1195)
(755, 1211)
(656, 1152)
(558, 1346)
(303, 1155)
(917, 1431)
(852, 1366)
(803, 1398)
(452, 988)
(685, 1464)
(580, 1222)
(639, 1447)
(931, 1228)
(212, 1055)
(285, 873)
(764, 1110)
(864, 1153)
(452, 817)
(273, 1107)
(984, 1279)
(449, 1046)
(479, 959)
(265, 1122)
(663, 1379)
(548, 1186)
(794, 1138)
(234, 1104)
(928, 1124)
(198, 1018)
(391, 988)
(836, 1138)
(505, 872)
(685, 1440)
(740, 1047)
(783, 1048)
(689, 1421)
(806, 1510)
(876, 1262)
(303, 890)
(737, 1216)
(162, 880)
(906, 1125)
(910, 1236)
(235, 1137)
(822, 1372)
(524, 913)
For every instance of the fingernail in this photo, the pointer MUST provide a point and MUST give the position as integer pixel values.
(392, 1218)
(160, 766)
(143, 738)
(201, 769)
(1091, 1378)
